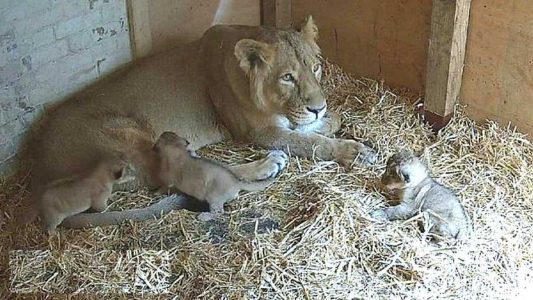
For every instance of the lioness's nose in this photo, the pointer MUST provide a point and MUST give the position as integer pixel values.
(316, 111)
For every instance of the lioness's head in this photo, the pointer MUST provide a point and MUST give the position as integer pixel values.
(284, 71)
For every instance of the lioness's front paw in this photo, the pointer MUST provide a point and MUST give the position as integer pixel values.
(332, 123)
(346, 151)
(276, 161)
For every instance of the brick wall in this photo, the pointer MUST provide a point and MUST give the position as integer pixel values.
(50, 49)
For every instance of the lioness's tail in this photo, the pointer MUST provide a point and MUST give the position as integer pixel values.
(154, 211)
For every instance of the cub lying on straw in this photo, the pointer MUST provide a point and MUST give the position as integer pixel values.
(418, 192)
(201, 178)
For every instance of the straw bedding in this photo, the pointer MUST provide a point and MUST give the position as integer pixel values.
(309, 236)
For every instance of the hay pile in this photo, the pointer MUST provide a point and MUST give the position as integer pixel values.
(309, 236)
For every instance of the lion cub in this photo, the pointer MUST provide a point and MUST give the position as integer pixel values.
(200, 178)
(66, 197)
(418, 192)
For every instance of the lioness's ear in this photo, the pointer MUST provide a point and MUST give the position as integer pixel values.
(309, 30)
(251, 53)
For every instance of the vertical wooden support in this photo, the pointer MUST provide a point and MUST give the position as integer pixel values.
(139, 23)
(276, 13)
(446, 53)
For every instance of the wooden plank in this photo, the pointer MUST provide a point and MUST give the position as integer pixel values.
(357, 36)
(446, 53)
(139, 23)
(498, 75)
(276, 13)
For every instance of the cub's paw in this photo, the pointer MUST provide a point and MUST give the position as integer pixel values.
(331, 123)
(379, 215)
(346, 151)
(207, 216)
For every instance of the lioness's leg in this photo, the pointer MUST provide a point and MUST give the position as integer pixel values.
(262, 169)
(309, 144)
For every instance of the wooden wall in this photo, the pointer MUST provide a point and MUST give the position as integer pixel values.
(379, 39)
(498, 74)
(388, 39)
(161, 23)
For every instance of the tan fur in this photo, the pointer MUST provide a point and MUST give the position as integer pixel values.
(66, 197)
(228, 84)
(408, 177)
(200, 178)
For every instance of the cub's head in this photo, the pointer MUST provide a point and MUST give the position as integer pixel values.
(170, 143)
(284, 72)
(404, 170)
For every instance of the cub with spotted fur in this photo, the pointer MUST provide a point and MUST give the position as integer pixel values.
(406, 175)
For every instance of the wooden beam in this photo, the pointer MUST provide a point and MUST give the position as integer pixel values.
(276, 13)
(446, 53)
(139, 26)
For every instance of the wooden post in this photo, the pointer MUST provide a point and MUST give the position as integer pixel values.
(139, 23)
(446, 53)
(276, 13)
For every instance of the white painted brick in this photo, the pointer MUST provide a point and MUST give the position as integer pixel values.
(83, 75)
(33, 7)
(10, 73)
(81, 41)
(78, 24)
(123, 42)
(37, 21)
(114, 10)
(34, 40)
(74, 8)
(3, 59)
(16, 12)
(11, 129)
(7, 3)
(7, 151)
(49, 53)
(112, 62)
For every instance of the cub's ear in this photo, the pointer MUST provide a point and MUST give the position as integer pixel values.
(251, 54)
(309, 30)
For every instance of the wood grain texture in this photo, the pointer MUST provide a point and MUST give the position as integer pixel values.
(385, 39)
(165, 23)
(498, 75)
(446, 52)
(140, 31)
(276, 13)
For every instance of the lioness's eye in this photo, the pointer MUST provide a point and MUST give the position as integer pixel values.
(316, 68)
(287, 77)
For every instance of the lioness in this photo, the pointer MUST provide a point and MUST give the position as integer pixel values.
(409, 177)
(254, 84)
(203, 179)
